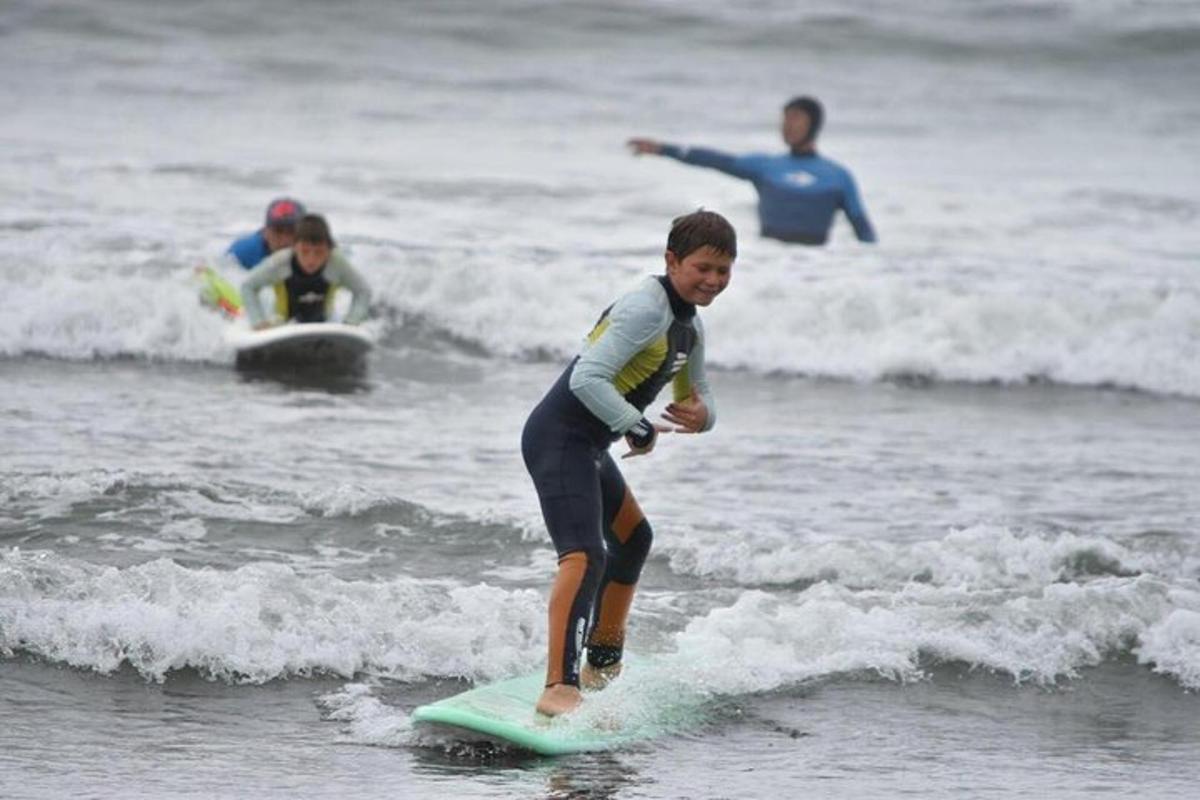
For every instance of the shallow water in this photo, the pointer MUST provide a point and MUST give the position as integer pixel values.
(943, 540)
(954, 734)
(829, 622)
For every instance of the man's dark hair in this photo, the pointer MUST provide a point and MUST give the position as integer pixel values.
(701, 229)
(313, 229)
(816, 114)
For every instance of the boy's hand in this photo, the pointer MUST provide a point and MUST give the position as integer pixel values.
(642, 147)
(689, 415)
(642, 437)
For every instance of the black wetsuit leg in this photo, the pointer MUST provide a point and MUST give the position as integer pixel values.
(628, 536)
(563, 461)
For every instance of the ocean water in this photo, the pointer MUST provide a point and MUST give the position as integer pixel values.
(944, 541)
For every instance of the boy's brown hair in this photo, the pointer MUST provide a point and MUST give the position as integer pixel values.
(313, 229)
(701, 229)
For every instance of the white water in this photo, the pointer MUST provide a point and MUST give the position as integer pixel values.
(928, 540)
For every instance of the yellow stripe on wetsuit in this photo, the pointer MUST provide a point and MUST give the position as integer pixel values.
(643, 364)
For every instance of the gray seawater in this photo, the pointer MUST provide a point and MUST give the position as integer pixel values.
(943, 542)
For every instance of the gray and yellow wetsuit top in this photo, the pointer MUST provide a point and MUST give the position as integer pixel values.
(304, 297)
(647, 339)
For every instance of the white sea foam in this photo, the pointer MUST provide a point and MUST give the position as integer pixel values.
(763, 642)
(979, 557)
(1172, 645)
(369, 721)
(873, 324)
(102, 315)
(49, 495)
(1033, 606)
(133, 493)
(346, 500)
(188, 529)
(260, 622)
(868, 327)
(179, 496)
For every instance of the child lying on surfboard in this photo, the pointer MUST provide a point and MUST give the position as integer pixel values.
(305, 278)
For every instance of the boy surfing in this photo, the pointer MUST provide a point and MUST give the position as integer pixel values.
(648, 338)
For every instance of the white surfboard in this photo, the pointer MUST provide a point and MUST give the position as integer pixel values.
(300, 344)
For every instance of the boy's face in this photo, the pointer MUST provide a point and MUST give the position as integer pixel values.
(700, 275)
(311, 255)
(279, 236)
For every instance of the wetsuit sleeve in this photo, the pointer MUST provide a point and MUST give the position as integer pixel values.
(269, 271)
(249, 250)
(693, 376)
(744, 167)
(634, 322)
(346, 275)
(855, 211)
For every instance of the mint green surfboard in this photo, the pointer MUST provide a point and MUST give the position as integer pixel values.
(504, 712)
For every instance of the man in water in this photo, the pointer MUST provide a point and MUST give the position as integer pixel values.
(278, 232)
(798, 192)
(646, 339)
(305, 278)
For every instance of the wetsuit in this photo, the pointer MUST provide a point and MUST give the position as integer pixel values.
(250, 249)
(798, 193)
(303, 297)
(647, 339)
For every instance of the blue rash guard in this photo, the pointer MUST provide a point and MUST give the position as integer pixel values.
(798, 194)
(250, 249)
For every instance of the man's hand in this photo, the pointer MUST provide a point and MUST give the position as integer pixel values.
(689, 415)
(641, 147)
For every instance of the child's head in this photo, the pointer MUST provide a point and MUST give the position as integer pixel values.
(314, 229)
(701, 249)
(280, 228)
(700, 229)
(314, 242)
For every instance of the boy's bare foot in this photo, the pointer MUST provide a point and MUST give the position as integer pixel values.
(598, 677)
(559, 699)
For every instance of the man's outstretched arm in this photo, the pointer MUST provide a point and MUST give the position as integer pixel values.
(737, 166)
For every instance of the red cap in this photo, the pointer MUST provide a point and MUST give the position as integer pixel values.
(284, 211)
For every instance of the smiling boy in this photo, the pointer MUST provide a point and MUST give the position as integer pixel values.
(305, 278)
(646, 339)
